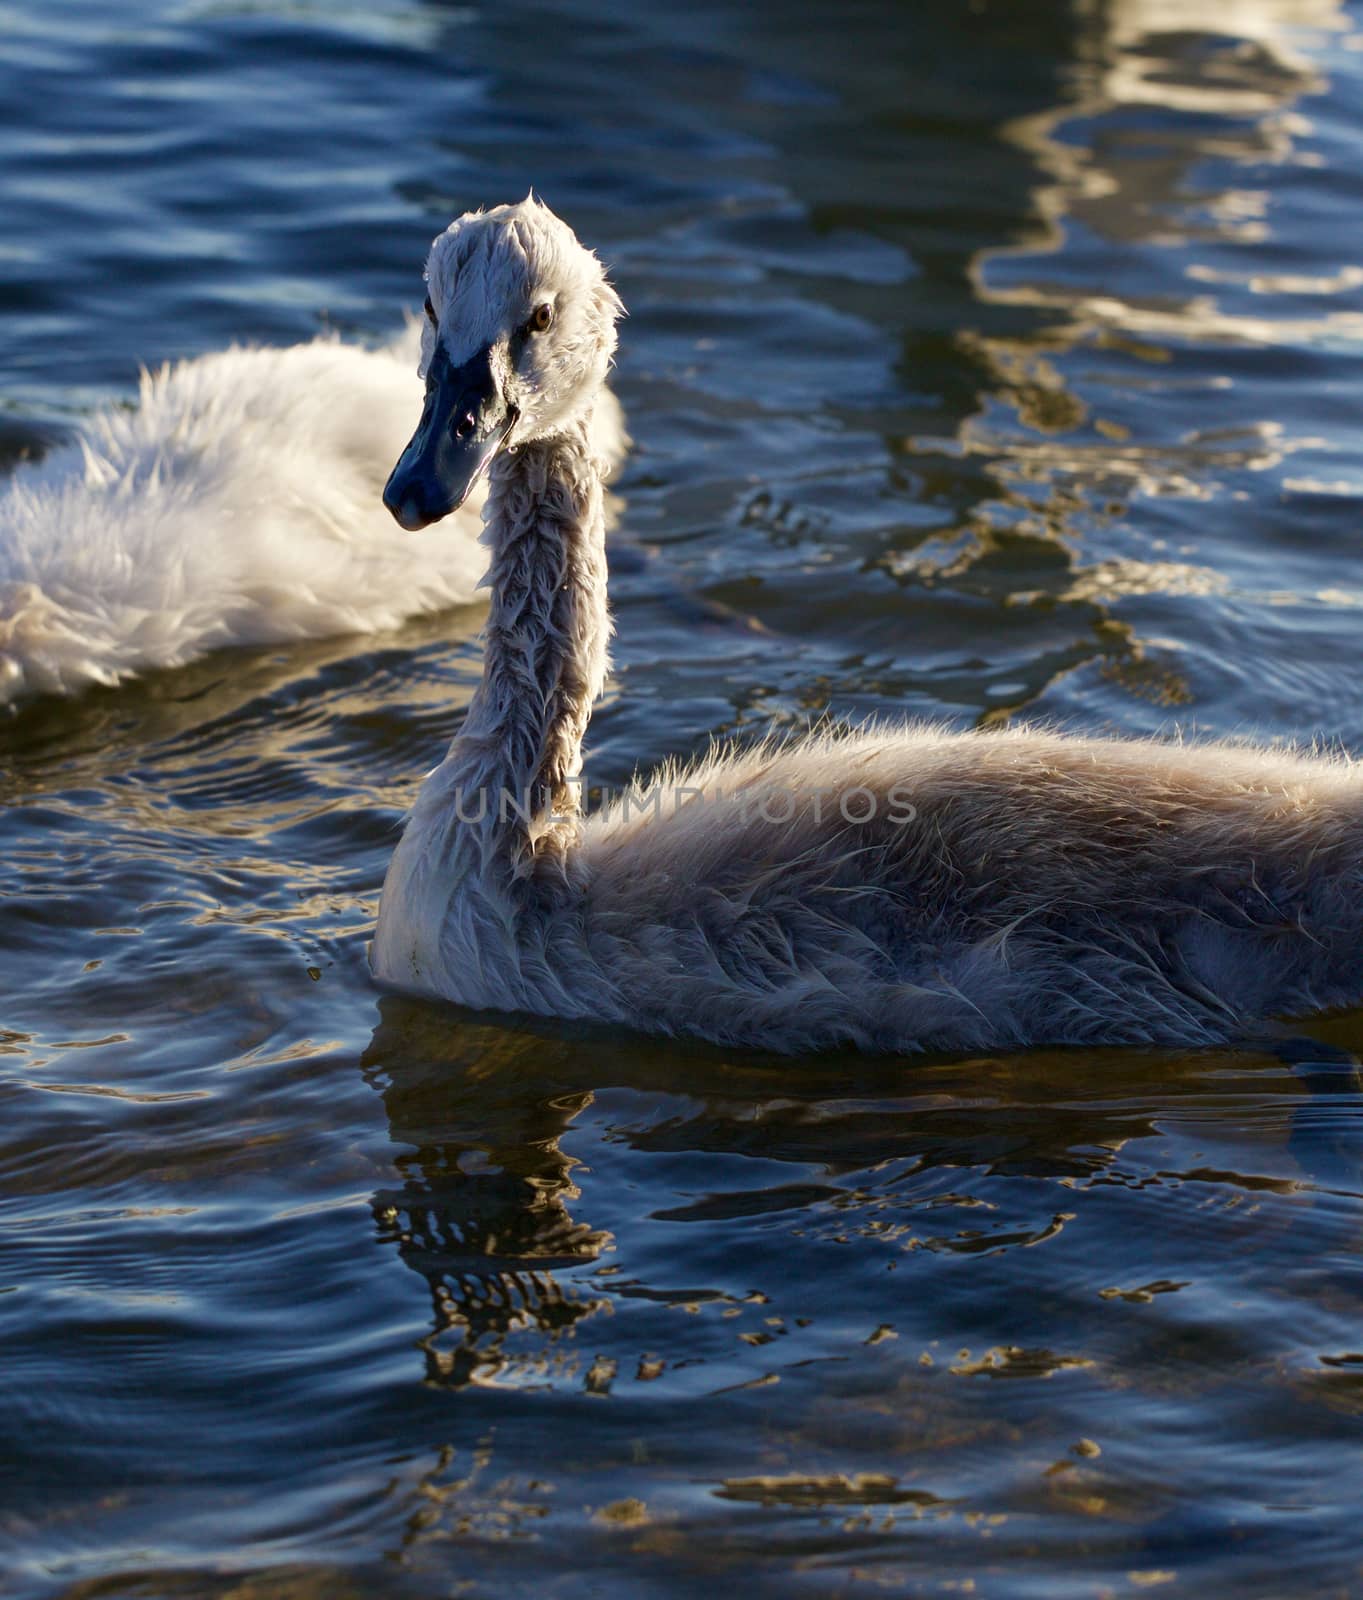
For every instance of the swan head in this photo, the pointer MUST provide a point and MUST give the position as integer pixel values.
(520, 330)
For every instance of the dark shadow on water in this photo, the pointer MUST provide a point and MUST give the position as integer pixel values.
(487, 1210)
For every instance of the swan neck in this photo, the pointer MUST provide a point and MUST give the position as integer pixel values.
(544, 659)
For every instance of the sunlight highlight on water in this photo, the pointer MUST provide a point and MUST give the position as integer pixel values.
(982, 362)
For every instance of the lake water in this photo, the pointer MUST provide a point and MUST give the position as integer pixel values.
(985, 360)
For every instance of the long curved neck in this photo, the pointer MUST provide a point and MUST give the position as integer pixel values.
(520, 749)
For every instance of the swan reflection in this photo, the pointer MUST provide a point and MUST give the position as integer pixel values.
(964, 1161)
(481, 1210)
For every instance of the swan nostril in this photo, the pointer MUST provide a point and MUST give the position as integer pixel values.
(411, 513)
(406, 503)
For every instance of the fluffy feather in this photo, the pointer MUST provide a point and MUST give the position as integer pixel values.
(897, 888)
(236, 503)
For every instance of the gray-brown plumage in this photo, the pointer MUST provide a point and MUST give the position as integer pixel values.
(894, 887)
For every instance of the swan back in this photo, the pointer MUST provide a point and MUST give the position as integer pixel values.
(912, 887)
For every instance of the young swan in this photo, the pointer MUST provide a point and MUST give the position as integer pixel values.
(896, 888)
(236, 504)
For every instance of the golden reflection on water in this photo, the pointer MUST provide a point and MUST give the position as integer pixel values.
(983, 1167)
(1158, 90)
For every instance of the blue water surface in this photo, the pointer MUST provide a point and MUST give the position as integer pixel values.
(984, 361)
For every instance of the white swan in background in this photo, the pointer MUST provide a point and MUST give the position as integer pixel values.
(237, 503)
(897, 887)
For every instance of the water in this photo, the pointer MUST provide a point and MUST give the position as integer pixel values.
(983, 361)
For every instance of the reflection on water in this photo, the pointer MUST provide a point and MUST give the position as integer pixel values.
(983, 361)
(1098, 409)
(813, 1267)
(483, 1212)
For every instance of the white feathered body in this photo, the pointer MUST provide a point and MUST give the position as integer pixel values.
(238, 502)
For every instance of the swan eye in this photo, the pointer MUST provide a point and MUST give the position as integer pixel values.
(541, 317)
(430, 312)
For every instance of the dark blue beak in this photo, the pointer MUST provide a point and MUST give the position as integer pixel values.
(463, 425)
